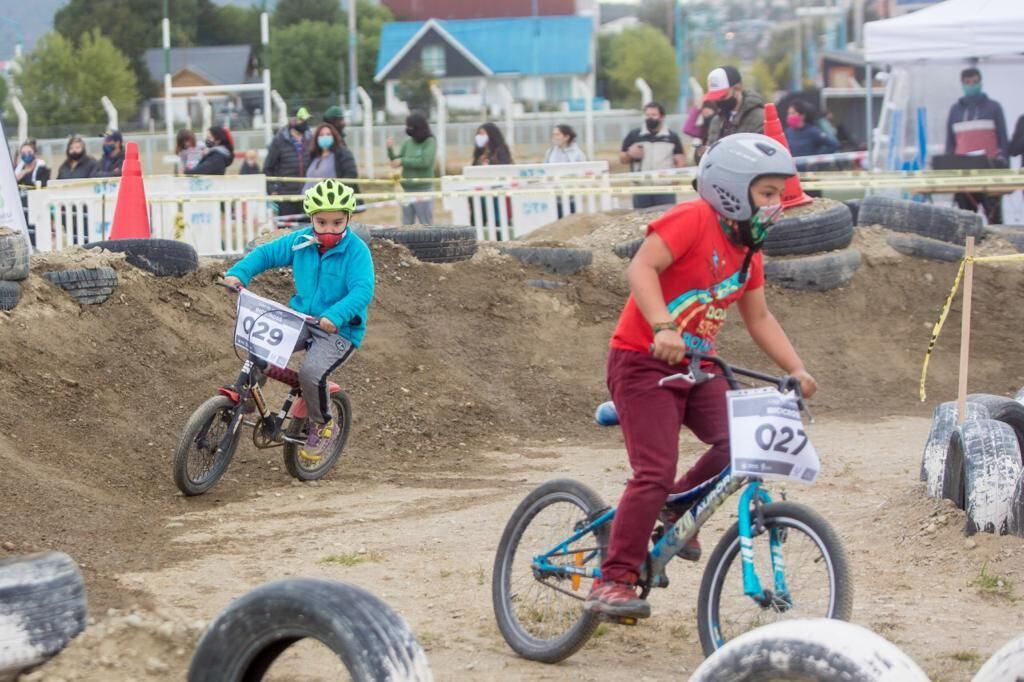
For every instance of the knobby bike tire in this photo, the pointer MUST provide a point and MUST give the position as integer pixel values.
(802, 519)
(199, 419)
(343, 414)
(522, 642)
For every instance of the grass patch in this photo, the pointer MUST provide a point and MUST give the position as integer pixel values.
(966, 656)
(989, 583)
(351, 558)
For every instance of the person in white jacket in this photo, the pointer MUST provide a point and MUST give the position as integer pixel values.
(563, 146)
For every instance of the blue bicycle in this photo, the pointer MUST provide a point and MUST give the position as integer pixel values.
(792, 563)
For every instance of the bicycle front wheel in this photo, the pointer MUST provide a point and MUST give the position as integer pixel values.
(199, 461)
(540, 612)
(817, 579)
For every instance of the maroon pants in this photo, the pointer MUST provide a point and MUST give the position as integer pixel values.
(650, 416)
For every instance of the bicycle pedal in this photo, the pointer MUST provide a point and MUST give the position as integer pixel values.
(620, 620)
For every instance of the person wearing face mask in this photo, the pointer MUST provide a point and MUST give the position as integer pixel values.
(803, 134)
(29, 171)
(288, 157)
(977, 127)
(653, 148)
(737, 109)
(417, 158)
(489, 147)
(329, 157)
(109, 165)
(220, 152)
(78, 164)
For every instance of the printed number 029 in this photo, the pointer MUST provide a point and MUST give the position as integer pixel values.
(771, 439)
(262, 332)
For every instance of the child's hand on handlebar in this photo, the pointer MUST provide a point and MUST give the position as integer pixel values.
(331, 328)
(669, 347)
(232, 281)
(808, 386)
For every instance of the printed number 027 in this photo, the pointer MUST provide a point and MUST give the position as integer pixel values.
(771, 439)
(262, 332)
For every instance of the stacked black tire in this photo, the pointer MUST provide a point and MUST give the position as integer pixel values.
(978, 464)
(161, 257)
(924, 230)
(809, 249)
(437, 244)
(14, 267)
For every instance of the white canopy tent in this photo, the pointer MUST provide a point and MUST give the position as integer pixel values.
(934, 44)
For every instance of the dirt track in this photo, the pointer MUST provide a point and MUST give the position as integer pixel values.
(470, 389)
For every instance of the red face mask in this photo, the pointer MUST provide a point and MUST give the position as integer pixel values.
(328, 241)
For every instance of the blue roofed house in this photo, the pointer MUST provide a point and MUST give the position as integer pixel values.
(537, 58)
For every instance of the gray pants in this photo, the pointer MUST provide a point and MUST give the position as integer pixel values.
(324, 354)
(424, 210)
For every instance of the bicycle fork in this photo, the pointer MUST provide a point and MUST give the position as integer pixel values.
(756, 496)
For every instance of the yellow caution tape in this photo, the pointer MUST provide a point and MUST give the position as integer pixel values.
(1012, 258)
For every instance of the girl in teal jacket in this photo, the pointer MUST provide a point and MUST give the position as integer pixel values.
(333, 273)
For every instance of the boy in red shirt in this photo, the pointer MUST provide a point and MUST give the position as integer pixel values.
(697, 260)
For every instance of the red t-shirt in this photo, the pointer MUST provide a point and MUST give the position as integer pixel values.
(702, 282)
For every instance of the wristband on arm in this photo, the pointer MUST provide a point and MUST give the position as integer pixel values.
(662, 326)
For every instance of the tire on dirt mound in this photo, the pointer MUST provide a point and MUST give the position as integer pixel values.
(1011, 233)
(628, 249)
(14, 250)
(937, 222)
(827, 229)
(923, 247)
(981, 470)
(162, 257)
(560, 261)
(42, 608)
(1015, 524)
(936, 448)
(10, 294)
(88, 286)
(821, 649)
(854, 206)
(372, 641)
(432, 244)
(1005, 665)
(814, 273)
(1006, 410)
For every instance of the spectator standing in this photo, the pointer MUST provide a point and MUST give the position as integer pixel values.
(563, 146)
(77, 164)
(220, 152)
(737, 110)
(30, 169)
(654, 148)
(251, 164)
(417, 157)
(335, 116)
(109, 165)
(329, 157)
(803, 134)
(489, 147)
(1016, 146)
(189, 153)
(288, 157)
(976, 125)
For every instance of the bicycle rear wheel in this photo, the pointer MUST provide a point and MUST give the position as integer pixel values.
(540, 614)
(311, 470)
(817, 577)
(198, 461)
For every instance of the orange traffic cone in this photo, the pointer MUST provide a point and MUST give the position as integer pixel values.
(131, 218)
(794, 194)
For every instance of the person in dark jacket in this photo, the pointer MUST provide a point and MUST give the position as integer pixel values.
(251, 164)
(489, 147)
(29, 171)
(78, 164)
(288, 157)
(220, 152)
(109, 166)
(737, 109)
(803, 134)
(976, 125)
(335, 115)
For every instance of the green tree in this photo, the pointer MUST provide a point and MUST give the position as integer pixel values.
(228, 25)
(62, 84)
(306, 59)
(414, 89)
(4, 92)
(290, 12)
(706, 58)
(370, 20)
(641, 51)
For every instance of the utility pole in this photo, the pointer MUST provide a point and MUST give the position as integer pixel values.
(682, 58)
(536, 67)
(353, 80)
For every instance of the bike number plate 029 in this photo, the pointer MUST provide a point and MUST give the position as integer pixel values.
(266, 328)
(767, 436)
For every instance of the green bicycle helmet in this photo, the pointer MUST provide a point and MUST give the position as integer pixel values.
(329, 195)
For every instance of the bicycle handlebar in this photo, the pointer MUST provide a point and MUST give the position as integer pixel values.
(237, 289)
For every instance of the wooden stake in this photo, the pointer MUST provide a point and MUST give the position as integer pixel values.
(965, 331)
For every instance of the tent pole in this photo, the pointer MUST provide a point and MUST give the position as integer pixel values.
(868, 110)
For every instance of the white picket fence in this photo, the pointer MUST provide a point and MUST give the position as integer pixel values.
(496, 215)
(71, 212)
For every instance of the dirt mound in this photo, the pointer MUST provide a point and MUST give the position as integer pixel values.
(457, 357)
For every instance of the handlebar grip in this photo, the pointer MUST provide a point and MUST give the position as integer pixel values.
(231, 287)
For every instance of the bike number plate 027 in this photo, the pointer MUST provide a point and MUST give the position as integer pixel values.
(266, 328)
(767, 436)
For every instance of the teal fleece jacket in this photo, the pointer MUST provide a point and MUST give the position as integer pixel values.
(337, 285)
